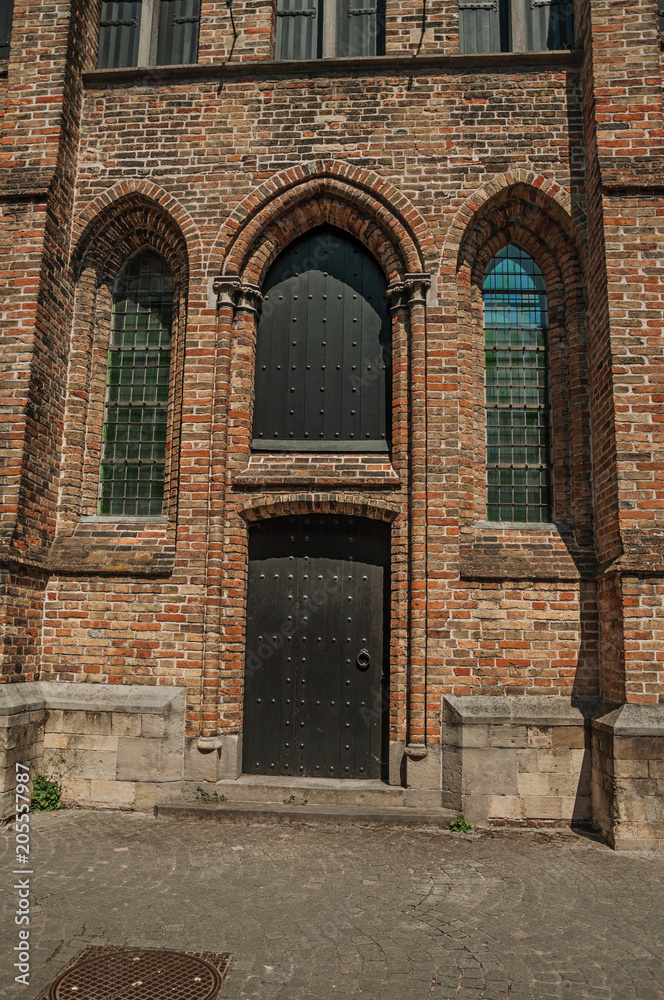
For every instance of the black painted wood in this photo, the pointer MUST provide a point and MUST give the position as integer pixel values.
(118, 33)
(316, 593)
(179, 23)
(6, 17)
(323, 355)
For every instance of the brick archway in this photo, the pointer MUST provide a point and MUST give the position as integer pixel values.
(357, 201)
(262, 508)
(143, 205)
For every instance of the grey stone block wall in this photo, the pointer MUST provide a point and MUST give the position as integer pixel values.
(517, 759)
(115, 746)
(628, 776)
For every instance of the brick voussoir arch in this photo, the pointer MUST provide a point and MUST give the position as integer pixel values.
(120, 200)
(262, 508)
(315, 193)
(532, 189)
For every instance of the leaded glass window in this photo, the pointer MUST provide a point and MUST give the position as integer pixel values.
(516, 368)
(134, 438)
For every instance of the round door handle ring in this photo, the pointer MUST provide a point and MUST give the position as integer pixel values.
(363, 659)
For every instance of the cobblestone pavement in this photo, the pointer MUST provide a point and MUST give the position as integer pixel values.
(327, 912)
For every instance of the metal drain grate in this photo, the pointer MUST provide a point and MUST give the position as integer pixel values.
(101, 973)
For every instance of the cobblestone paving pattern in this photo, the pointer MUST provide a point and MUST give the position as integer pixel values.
(325, 912)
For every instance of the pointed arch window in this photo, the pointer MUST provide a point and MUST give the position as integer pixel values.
(517, 396)
(323, 351)
(136, 410)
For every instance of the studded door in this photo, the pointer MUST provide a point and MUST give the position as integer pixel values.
(313, 702)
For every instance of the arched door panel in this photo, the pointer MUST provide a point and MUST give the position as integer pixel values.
(323, 351)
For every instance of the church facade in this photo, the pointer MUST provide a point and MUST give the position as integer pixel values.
(332, 367)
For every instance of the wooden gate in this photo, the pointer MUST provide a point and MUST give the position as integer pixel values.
(314, 703)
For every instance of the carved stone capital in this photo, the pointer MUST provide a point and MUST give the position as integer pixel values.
(410, 291)
(227, 287)
(417, 285)
(250, 298)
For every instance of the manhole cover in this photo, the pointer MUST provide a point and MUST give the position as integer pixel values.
(140, 974)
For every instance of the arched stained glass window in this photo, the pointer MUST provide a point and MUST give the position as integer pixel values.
(518, 408)
(135, 417)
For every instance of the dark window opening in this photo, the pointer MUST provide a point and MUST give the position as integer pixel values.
(316, 29)
(148, 33)
(6, 18)
(515, 25)
(323, 352)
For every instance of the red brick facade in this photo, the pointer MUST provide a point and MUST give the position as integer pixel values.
(434, 161)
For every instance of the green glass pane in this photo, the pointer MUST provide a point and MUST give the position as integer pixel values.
(139, 361)
(516, 386)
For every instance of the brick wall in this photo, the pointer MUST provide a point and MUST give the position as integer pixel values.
(435, 163)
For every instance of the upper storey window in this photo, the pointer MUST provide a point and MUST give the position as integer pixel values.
(6, 16)
(515, 25)
(315, 29)
(148, 33)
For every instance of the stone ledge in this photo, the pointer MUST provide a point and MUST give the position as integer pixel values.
(54, 695)
(523, 710)
(630, 720)
(387, 65)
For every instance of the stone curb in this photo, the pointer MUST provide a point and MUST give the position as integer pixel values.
(272, 812)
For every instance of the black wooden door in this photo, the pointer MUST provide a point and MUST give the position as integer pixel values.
(313, 703)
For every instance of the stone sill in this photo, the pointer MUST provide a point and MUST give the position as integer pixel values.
(508, 551)
(387, 65)
(125, 519)
(350, 470)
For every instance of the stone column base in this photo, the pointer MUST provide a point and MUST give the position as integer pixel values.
(628, 776)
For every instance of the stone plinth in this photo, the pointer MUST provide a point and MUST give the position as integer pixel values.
(518, 760)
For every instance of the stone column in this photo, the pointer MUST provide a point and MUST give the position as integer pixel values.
(227, 289)
(423, 760)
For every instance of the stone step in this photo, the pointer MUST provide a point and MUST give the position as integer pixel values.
(326, 791)
(330, 815)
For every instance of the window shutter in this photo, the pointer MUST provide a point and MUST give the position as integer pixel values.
(6, 15)
(118, 34)
(660, 14)
(546, 24)
(299, 29)
(179, 23)
(483, 26)
(361, 28)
